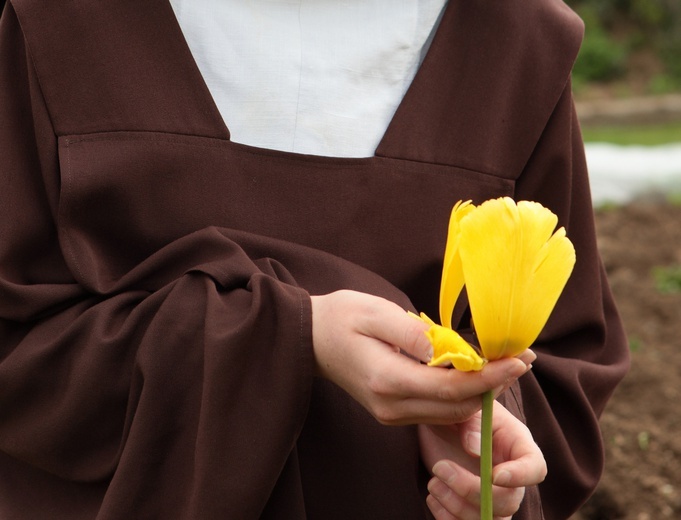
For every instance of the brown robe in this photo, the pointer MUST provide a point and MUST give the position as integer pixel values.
(155, 324)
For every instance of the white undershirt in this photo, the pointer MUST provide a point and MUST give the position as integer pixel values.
(320, 77)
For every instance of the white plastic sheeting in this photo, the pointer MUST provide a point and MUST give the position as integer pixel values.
(621, 173)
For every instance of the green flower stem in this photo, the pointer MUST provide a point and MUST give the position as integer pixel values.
(486, 506)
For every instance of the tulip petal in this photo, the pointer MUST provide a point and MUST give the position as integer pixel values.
(450, 348)
(514, 270)
(452, 272)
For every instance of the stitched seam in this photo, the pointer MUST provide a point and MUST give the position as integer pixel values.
(337, 163)
(63, 215)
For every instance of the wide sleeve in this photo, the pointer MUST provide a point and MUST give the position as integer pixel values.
(180, 391)
(582, 352)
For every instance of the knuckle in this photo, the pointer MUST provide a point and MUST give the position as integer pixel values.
(462, 411)
(385, 415)
(450, 388)
(535, 468)
(381, 398)
(379, 384)
(448, 393)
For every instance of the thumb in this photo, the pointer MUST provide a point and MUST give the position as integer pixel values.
(470, 432)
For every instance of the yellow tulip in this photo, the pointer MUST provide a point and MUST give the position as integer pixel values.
(514, 267)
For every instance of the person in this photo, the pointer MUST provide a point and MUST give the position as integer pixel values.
(194, 326)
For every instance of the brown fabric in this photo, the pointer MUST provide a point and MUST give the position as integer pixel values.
(155, 355)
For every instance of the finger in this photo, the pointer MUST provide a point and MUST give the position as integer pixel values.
(392, 325)
(451, 494)
(397, 391)
(460, 481)
(519, 461)
(458, 491)
(437, 395)
(507, 500)
(528, 357)
(444, 503)
(433, 412)
(526, 471)
(437, 509)
(451, 385)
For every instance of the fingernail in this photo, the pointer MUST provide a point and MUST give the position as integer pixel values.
(517, 370)
(473, 442)
(430, 354)
(502, 478)
(444, 471)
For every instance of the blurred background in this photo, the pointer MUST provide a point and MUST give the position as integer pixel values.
(627, 81)
(627, 84)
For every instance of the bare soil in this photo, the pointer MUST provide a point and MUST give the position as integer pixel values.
(642, 423)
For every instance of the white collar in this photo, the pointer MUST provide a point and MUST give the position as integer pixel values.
(321, 77)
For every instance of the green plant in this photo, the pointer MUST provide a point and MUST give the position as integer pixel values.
(635, 344)
(663, 133)
(643, 439)
(670, 52)
(600, 58)
(667, 278)
(674, 198)
(607, 206)
(616, 28)
(665, 83)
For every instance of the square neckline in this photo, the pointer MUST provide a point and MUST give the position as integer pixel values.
(175, 31)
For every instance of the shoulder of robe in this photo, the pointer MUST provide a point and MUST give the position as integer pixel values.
(525, 33)
(120, 65)
(501, 68)
(550, 26)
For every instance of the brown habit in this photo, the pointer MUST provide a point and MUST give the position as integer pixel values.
(155, 331)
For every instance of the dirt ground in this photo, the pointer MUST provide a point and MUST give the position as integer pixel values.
(642, 424)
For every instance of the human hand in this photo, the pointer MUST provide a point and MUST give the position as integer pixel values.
(360, 342)
(453, 454)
